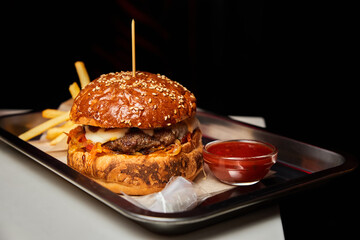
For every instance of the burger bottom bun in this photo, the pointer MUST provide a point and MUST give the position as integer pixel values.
(134, 190)
(139, 174)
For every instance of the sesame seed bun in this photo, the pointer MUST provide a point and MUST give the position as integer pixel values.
(136, 161)
(146, 101)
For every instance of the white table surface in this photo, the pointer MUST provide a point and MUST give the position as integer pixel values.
(37, 204)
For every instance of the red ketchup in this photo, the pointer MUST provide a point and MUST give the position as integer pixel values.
(240, 162)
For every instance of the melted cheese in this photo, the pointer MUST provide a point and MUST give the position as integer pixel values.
(149, 132)
(192, 124)
(104, 135)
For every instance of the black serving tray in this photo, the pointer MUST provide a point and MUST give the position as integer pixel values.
(299, 165)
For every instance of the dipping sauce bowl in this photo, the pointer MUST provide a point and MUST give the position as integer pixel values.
(240, 162)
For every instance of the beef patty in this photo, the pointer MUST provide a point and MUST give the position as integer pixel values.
(135, 140)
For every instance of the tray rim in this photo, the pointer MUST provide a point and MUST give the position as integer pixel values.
(154, 220)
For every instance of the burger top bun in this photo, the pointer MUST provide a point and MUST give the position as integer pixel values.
(146, 101)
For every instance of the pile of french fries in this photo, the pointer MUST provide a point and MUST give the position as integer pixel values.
(59, 124)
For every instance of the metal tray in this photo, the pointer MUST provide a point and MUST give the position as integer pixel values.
(299, 165)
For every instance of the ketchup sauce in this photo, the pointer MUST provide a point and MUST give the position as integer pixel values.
(240, 162)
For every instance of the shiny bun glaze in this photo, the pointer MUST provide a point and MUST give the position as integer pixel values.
(146, 101)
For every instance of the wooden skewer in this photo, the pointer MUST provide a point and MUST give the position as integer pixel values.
(133, 47)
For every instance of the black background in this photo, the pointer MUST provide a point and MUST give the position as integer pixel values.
(291, 62)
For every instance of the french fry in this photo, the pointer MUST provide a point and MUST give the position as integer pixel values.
(56, 131)
(82, 73)
(53, 133)
(51, 113)
(74, 90)
(39, 129)
(57, 139)
(65, 129)
(56, 134)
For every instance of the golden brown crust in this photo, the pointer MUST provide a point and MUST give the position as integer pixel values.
(139, 174)
(146, 101)
(134, 190)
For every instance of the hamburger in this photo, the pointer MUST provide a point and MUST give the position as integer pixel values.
(135, 133)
